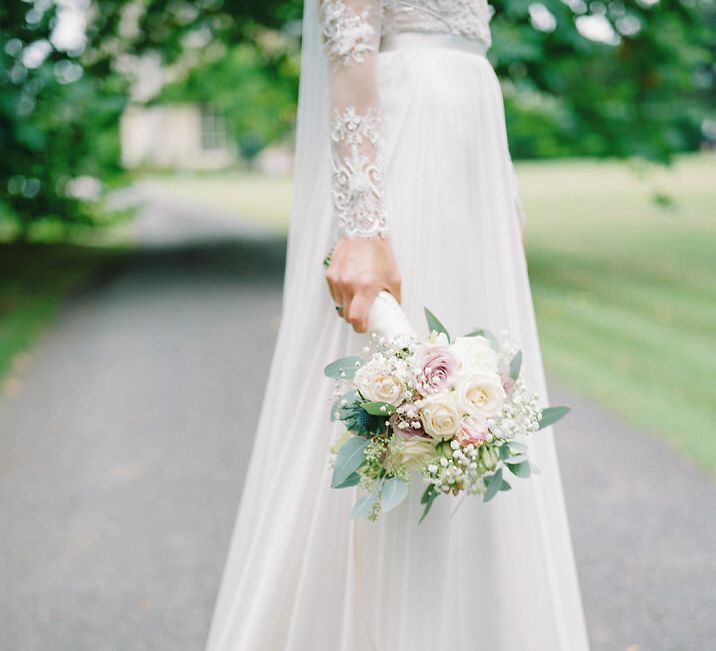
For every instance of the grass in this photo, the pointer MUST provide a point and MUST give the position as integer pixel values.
(624, 290)
(623, 266)
(34, 279)
(250, 196)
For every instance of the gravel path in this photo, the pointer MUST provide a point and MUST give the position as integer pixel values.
(124, 440)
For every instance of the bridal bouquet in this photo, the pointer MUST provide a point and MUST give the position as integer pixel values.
(454, 412)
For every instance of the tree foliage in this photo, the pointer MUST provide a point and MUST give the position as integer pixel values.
(646, 93)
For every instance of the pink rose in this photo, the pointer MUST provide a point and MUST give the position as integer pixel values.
(473, 430)
(436, 364)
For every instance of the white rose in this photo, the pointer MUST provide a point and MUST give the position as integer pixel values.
(379, 386)
(475, 353)
(412, 452)
(479, 392)
(440, 415)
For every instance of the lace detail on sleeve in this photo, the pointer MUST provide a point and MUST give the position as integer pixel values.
(357, 185)
(351, 35)
(347, 33)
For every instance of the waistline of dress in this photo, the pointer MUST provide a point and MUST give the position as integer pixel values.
(428, 40)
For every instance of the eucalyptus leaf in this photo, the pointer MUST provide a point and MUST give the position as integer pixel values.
(505, 451)
(378, 408)
(516, 365)
(551, 415)
(394, 492)
(429, 496)
(434, 324)
(516, 458)
(505, 485)
(493, 483)
(352, 480)
(350, 457)
(344, 367)
(521, 469)
(363, 505)
(336, 411)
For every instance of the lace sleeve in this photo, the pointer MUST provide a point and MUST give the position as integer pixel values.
(351, 37)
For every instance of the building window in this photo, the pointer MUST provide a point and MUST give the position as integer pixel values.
(213, 129)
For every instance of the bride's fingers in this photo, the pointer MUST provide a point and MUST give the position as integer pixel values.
(333, 285)
(340, 300)
(395, 289)
(357, 314)
(347, 297)
(340, 304)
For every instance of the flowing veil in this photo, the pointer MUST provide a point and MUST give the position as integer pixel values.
(311, 173)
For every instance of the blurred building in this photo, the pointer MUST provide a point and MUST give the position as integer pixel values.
(175, 136)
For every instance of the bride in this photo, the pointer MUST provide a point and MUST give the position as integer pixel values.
(404, 173)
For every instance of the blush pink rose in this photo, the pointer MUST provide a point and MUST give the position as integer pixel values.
(435, 366)
(473, 430)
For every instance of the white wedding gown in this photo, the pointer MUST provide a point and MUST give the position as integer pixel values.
(416, 150)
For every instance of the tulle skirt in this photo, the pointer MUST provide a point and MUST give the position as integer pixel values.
(301, 575)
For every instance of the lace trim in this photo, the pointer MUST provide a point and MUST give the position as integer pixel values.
(347, 34)
(469, 18)
(357, 184)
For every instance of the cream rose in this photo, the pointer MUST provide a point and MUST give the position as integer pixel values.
(440, 415)
(479, 392)
(412, 452)
(379, 386)
(475, 353)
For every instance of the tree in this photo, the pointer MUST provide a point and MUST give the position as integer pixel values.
(643, 90)
(60, 103)
(58, 122)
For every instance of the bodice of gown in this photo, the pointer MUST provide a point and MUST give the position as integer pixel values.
(469, 18)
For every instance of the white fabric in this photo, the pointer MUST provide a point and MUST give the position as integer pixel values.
(387, 319)
(300, 573)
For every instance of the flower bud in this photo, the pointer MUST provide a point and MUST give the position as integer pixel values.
(490, 457)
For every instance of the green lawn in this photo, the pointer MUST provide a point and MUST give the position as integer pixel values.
(250, 196)
(623, 268)
(625, 291)
(34, 279)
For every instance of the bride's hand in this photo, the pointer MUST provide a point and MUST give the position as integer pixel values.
(358, 270)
